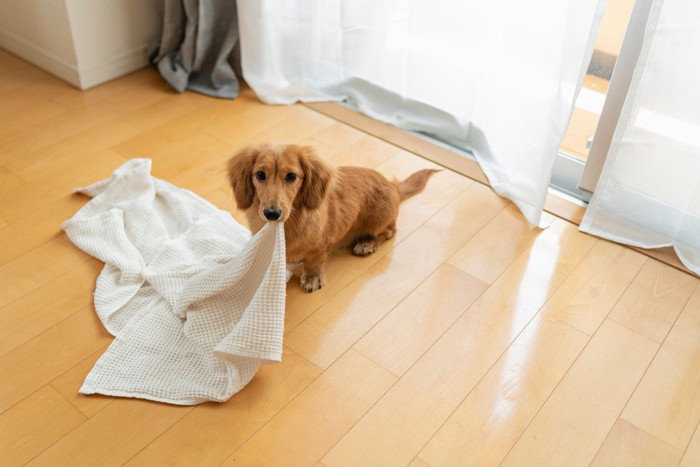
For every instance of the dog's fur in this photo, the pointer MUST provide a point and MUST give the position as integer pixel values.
(322, 207)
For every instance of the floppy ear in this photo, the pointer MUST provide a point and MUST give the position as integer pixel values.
(240, 176)
(317, 176)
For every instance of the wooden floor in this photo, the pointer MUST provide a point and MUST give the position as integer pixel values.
(469, 339)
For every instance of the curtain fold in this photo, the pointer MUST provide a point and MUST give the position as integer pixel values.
(648, 194)
(497, 78)
(199, 47)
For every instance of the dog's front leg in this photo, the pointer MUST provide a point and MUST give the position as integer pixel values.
(313, 276)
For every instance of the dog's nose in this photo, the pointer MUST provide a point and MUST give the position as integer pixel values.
(272, 214)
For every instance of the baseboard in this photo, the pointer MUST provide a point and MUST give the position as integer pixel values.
(113, 67)
(81, 76)
(43, 59)
(401, 138)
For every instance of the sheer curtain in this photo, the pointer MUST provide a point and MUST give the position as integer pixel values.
(496, 77)
(649, 192)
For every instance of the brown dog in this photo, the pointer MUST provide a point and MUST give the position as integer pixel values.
(321, 207)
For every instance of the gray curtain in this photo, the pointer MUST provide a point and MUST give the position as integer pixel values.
(199, 49)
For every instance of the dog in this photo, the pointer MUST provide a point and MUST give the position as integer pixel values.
(322, 207)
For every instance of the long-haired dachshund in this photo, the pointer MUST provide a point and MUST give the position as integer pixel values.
(322, 207)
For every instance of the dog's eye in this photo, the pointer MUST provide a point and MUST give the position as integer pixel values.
(260, 176)
(290, 177)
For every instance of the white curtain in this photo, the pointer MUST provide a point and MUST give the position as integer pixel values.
(649, 192)
(496, 77)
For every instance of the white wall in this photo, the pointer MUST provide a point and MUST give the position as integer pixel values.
(39, 32)
(84, 42)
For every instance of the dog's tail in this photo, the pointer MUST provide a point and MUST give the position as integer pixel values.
(415, 183)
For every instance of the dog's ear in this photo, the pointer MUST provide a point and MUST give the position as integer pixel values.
(240, 176)
(317, 176)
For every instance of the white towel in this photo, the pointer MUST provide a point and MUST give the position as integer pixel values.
(195, 304)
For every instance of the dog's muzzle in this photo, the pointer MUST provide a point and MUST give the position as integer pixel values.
(272, 214)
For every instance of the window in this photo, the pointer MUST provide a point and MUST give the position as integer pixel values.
(581, 154)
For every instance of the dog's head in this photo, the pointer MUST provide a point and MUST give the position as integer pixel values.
(278, 179)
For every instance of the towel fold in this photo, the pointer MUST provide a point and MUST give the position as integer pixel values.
(195, 303)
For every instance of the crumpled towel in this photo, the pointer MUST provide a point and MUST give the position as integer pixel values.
(195, 304)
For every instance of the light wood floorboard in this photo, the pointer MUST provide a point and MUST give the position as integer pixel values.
(471, 338)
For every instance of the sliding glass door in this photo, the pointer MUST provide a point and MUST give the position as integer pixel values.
(593, 121)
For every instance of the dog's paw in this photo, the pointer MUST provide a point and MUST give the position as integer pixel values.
(311, 282)
(364, 248)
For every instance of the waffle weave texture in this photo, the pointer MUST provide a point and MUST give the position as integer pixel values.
(195, 303)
